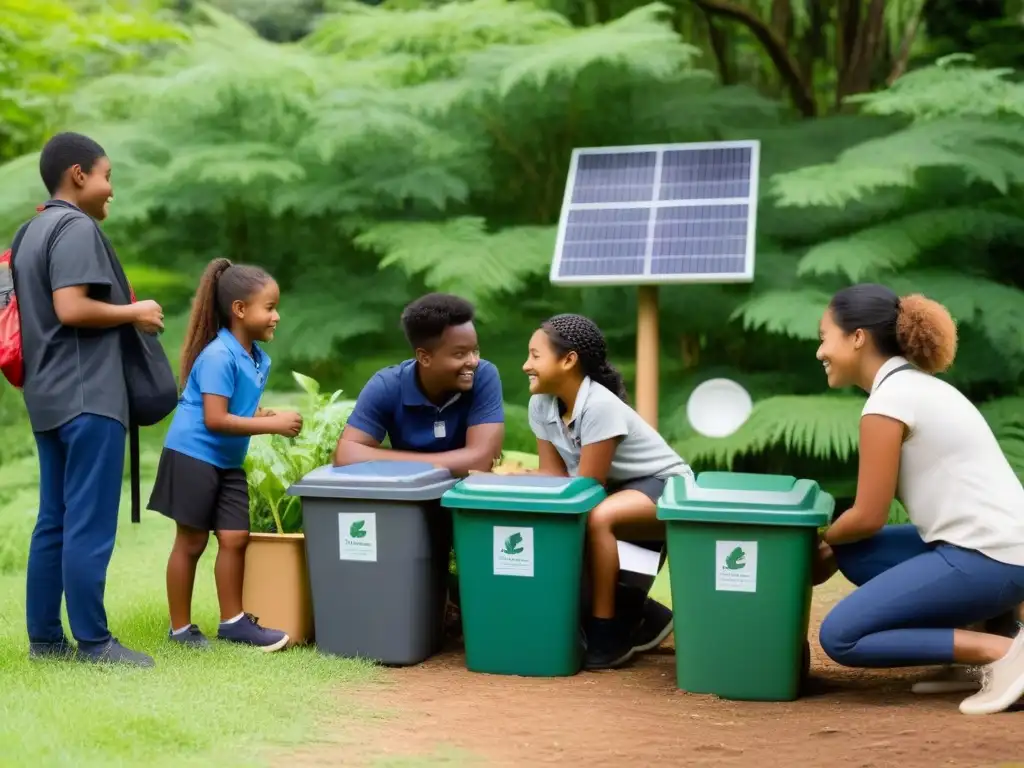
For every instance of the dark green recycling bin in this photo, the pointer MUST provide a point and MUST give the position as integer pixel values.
(740, 550)
(377, 548)
(519, 543)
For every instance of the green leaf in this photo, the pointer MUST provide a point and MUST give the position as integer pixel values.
(818, 426)
(897, 244)
(310, 386)
(461, 255)
(795, 313)
(986, 152)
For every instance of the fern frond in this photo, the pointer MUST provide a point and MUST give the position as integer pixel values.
(897, 244)
(459, 255)
(948, 89)
(817, 426)
(987, 152)
(795, 313)
(436, 37)
(1005, 416)
(641, 42)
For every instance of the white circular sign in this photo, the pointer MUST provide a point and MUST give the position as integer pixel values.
(718, 407)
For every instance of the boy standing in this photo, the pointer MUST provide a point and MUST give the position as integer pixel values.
(72, 309)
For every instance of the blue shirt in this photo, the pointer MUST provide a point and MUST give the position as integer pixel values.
(224, 368)
(393, 405)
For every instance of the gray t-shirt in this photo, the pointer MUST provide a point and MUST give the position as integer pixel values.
(68, 371)
(600, 415)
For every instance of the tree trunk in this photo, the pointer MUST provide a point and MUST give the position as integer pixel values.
(800, 91)
(868, 43)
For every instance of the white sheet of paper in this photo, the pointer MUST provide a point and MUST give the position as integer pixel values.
(637, 559)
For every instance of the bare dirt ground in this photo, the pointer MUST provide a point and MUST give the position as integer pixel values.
(440, 714)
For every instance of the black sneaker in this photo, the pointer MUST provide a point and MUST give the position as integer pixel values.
(191, 637)
(655, 625)
(112, 652)
(61, 649)
(247, 631)
(608, 644)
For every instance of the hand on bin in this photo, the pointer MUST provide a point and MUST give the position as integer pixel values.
(824, 563)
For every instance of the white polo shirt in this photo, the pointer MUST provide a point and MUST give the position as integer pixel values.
(954, 480)
(599, 415)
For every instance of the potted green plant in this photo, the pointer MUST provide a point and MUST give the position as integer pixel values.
(276, 579)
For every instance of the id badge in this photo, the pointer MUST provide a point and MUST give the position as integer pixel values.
(439, 430)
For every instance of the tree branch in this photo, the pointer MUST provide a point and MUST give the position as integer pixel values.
(800, 91)
(720, 48)
(906, 44)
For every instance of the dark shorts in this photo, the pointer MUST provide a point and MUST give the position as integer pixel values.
(199, 495)
(651, 487)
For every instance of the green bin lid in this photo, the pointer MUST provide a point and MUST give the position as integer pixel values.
(745, 499)
(381, 480)
(525, 493)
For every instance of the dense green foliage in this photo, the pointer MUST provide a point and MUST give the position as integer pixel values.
(409, 147)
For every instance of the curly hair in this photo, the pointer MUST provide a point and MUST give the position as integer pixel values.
(916, 327)
(576, 333)
(426, 319)
(926, 333)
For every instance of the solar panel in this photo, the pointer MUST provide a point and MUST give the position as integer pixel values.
(666, 213)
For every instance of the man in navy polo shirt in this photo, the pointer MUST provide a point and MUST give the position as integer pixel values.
(443, 406)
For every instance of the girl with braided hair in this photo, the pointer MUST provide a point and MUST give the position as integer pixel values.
(585, 428)
(960, 560)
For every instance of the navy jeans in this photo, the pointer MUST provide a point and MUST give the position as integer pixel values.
(80, 469)
(910, 597)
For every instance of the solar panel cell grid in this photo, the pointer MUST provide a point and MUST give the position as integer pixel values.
(672, 213)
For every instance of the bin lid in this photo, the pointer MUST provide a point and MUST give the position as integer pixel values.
(383, 480)
(746, 499)
(525, 493)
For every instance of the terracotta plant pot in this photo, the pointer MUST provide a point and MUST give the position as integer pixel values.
(277, 584)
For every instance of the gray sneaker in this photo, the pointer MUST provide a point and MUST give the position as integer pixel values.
(112, 652)
(191, 637)
(61, 649)
(247, 631)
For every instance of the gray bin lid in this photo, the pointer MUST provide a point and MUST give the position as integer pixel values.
(381, 480)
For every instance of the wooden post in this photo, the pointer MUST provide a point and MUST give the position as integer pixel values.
(647, 354)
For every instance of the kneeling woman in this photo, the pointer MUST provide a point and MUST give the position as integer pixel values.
(961, 560)
(585, 428)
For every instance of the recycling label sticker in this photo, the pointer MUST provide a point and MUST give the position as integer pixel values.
(513, 551)
(736, 566)
(357, 535)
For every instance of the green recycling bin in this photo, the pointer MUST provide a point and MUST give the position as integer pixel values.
(740, 551)
(519, 543)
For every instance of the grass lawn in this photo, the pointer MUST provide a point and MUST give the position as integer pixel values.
(231, 706)
(225, 707)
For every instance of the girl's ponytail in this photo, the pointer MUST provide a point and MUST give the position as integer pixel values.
(205, 319)
(608, 376)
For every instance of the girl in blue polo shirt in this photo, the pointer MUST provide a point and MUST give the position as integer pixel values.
(200, 482)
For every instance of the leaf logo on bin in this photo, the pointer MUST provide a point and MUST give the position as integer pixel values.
(736, 560)
(512, 544)
(356, 530)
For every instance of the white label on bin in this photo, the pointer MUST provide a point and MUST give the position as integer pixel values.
(357, 534)
(736, 566)
(513, 551)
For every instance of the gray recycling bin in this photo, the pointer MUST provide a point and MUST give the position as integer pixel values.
(377, 548)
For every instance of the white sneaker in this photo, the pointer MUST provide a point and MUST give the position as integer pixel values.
(953, 678)
(1002, 683)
